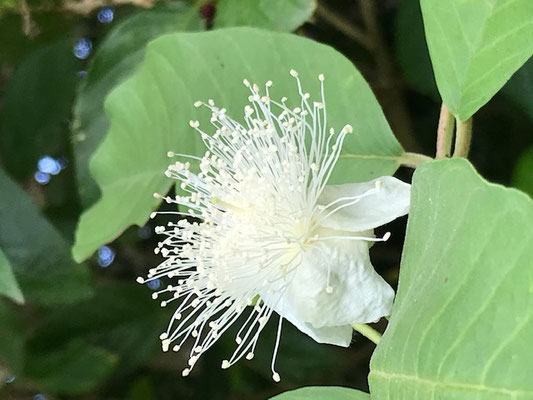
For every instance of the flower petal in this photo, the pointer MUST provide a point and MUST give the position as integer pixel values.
(359, 294)
(337, 335)
(386, 204)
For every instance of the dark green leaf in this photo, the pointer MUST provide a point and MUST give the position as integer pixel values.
(15, 44)
(277, 15)
(74, 368)
(39, 256)
(523, 172)
(121, 318)
(11, 340)
(37, 107)
(117, 58)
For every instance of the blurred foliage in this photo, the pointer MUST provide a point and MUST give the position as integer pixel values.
(8, 283)
(523, 172)
(11, 341)
(40, 256)
(117, 56)
(36, 107)
(88, 331)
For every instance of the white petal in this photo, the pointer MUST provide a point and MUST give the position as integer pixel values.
(388, 203)
(337, 335)
(359, 294)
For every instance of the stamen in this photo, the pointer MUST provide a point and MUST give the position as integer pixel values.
(275, 375)
(256, 198)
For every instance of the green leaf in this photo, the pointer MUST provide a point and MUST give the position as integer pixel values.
(121, 318)
(322, 393)
(11, 340)
(75, 368)
(117, 57)
(150, 114)
(37, 252)
(522, 174)
(37, 107)
(277, 15)
(519, 89)
(462, 323)
(475, 47)
(8, 283)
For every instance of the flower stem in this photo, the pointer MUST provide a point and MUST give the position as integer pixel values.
(368, 332)
(463, 137)
(445, 133)
(413, 160)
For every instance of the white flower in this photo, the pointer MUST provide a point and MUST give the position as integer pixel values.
(263, 233)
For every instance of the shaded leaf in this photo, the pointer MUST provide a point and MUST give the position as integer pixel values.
(39, 255)
(120, 318)
(37, 107)
(278, 15)
(475, 47)
(11, 339)
(462, 322)
(151, 111)
(117, 57)
(74, 368)
(523, 172)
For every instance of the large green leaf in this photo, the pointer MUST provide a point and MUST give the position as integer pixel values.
(37, 107)
(117, 58)
(280, 15)
(8, 283)
(475, 47)
(38, 253)
(462, 323)
(323, 393)
(11, 340)
(121, 318)
(74, 368)
(150, 113)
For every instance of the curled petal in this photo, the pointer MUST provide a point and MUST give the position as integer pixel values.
(366, 205)
(337, 335)
(337, 285)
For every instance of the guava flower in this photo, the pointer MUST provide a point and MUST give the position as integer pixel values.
(260, 232)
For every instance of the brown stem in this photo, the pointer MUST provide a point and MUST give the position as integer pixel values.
(463, 138)
(445, 133)
(344, 25)
(28, 24)
(413, 160)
